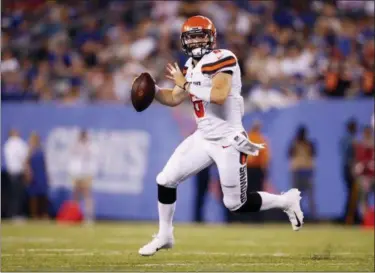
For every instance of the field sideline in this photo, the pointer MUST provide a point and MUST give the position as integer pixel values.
(47, 246)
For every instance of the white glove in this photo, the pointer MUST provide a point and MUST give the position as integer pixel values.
(256, 147)
(244, 145)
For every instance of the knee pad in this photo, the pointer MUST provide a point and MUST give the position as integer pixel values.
(160, 179)
(231, 203)
(163, 180)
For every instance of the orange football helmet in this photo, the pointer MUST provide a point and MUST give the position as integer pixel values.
(198, 36)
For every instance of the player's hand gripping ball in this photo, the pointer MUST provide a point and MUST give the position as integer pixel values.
(143, 92)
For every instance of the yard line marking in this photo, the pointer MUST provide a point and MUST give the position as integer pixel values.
(190, 264)
(259, 254)
(82, 254)
(162, 264)
(51, 249)
(277, 254)
(233, 264)
(15, 239)
(69, 252)
(76, 251)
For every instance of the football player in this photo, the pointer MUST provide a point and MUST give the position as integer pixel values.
(211, 78)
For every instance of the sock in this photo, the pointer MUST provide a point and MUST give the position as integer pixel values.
(252, 204)
(166, 212)
(271, 201)
(166, 207)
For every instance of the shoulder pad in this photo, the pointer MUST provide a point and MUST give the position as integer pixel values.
(219, 60)
(218, 54)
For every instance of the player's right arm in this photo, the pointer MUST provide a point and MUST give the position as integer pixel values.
(171, 97)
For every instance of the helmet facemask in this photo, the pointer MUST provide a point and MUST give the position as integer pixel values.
(197, 43)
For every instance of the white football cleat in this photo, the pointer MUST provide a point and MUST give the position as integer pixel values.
(293, 208)
(158, 243)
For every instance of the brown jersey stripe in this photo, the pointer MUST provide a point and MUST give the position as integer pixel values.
(210, 72)
(213, 69)
(221, 67)
(219, 61)
(216, 65)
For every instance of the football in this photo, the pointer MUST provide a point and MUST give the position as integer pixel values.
(143, 92)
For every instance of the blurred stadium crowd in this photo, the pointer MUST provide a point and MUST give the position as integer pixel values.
(85, 51)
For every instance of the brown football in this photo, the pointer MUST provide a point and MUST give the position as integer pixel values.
(143, 92)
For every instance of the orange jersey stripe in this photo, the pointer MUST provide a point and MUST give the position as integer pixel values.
(218, 66)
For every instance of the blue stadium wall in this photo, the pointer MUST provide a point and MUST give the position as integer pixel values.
(135, 146)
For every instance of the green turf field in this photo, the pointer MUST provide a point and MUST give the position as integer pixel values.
(114, 247)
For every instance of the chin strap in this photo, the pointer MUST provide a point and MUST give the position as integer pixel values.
(203, 51)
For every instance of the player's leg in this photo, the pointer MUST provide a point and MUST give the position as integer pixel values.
(189, 158)
(88, 200)
(233, 177)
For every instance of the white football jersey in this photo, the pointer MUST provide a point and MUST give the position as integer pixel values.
(216, 121)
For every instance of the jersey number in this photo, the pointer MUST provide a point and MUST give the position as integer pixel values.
(198, 108)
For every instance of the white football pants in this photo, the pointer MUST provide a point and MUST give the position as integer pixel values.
(196, 153)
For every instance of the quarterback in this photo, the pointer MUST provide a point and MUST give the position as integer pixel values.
(211, 79)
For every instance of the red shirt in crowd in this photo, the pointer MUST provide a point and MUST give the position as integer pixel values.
(364, 155)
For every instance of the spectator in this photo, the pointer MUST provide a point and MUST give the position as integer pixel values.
(302, 153)
(283, 41)
(101, 83)
(257, 61)
(36, 175)
(295, 63)
(123, 78)
(347, 147)
(15, 154)
(82, 168)
(364, 168)
(11, 85)
(336, 81)
(273, 68)
(9, 63)
(41, 80)
(367, 84)
(89, 37)
(264, 97)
